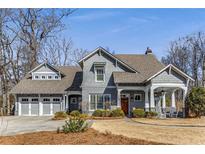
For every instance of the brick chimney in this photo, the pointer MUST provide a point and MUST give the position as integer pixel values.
(148, 51)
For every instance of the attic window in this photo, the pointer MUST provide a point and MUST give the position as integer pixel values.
(43, 77)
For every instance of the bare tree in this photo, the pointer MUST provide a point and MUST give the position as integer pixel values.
(77, 54)
(57, 52)
(187, 54)
(34, 27)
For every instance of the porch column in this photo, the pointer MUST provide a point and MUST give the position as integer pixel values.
(173, 103)
(152, 105)
(146, 100)
(164, 102)
(19, 108)
(40, 105)
(119, 98)
(184, 98)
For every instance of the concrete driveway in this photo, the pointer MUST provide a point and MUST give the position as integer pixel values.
(12, 125)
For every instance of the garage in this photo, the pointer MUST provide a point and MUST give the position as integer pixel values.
(31, 106)
(25, 106)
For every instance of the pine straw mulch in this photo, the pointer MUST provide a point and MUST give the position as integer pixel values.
(91, 137)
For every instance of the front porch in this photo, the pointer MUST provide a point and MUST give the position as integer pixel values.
(160, 98)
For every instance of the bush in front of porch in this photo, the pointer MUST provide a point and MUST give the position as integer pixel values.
(196, 102)
(108, 113)
(140, 113)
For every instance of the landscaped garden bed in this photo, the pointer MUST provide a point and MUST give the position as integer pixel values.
(90, 136)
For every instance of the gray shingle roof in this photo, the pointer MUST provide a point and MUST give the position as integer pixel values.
(72, 73)
(146, 65)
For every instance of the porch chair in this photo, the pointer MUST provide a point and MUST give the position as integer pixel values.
(173, 112)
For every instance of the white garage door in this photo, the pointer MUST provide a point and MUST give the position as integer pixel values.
(56, 105)
(24, 106)
(34, 106)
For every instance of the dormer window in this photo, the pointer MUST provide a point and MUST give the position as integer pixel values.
(49, 77)
(36, 77)
(99, 73)
(43, 77)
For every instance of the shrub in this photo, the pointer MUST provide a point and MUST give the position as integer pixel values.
(117, 113)
(83, 116)
(60, 115)
(74, 125)
(150, 114)
(106, 113)
(196, 101)
(138, 113)
(75, 113)
(97, 113)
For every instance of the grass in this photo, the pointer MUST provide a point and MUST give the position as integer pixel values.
(160, 134)
(91, 137)
(174, 121)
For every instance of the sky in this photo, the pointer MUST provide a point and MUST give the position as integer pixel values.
(131, 31)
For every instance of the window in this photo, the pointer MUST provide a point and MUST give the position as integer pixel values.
(138, 97)
(56, 100)
(56, 77)
(100, 101)
(34, 99)
(92, 102)
(73, 100)
(49, 77)
(46, 99)
(36, 77)
(99, 74)
(43, 77)
(24, 99)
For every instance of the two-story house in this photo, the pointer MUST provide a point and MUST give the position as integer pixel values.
(102, 80)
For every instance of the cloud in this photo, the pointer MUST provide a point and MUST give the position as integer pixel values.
(95, 15)
(132, 22)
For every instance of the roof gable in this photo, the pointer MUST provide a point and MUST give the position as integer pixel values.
(171, 67)
(47, 68)
(100, 49)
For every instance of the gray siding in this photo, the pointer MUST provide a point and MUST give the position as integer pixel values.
(110, 67)
(89, 86)
(97, 90)
(133, 103)
(165, 77)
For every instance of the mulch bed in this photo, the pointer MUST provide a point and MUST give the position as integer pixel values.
(91, 137)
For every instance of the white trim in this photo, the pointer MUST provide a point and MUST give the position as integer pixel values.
(19, 108)
(95, 70)
(111, 55)
(172, 66)
(101, 94)
(138, 95)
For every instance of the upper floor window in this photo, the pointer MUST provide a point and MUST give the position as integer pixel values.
(43, 77)
(99, 73)
(36, 77)
(49, 77)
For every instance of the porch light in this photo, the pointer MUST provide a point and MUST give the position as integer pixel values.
(162, 92)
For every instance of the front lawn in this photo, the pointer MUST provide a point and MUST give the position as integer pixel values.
(53, 138)
(173, 121)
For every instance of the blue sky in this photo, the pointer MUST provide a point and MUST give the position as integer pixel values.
(132, 30)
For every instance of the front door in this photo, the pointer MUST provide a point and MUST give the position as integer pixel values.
(74, 104)
(124, 104)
